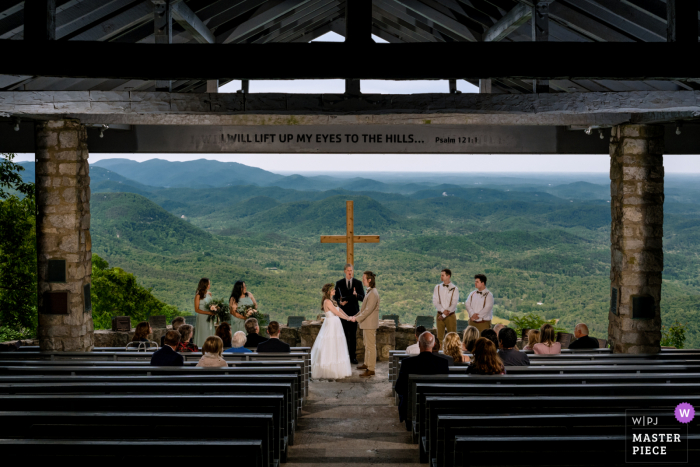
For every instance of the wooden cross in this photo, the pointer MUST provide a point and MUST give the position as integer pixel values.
(350, 238)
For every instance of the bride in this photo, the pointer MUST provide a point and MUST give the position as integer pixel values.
(329, 355)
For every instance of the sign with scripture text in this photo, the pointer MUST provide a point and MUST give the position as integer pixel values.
(348, 139)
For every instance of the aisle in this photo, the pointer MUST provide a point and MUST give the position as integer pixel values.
(353, 423)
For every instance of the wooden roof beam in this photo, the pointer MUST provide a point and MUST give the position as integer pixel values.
(260, 20)
(452, 25)
(619, 61)
(682, 18)
(512, 20)
(189, 20)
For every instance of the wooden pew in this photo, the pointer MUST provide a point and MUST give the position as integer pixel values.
(442, 443)
(129, 425)
(121, 452)
(571, 451)
(153, 385)
(456, 406)
(271, 403)
(12, 367)
(476, 391)
(420, 385)
(243, 373)
(304, 358)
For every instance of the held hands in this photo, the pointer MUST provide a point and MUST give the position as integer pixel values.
(439, 316)
(475, 317)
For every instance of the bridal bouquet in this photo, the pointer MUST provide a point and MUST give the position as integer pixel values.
(220, 309)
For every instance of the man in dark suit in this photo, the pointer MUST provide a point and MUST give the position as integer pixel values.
(425, 363)
(254, 338)
(349, 292)
(273, 344)
(509, 353)
(166, 355)
(583, 340)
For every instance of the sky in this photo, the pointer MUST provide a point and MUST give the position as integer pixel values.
(459, 163)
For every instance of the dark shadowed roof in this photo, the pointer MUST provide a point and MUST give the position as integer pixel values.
(396, 21)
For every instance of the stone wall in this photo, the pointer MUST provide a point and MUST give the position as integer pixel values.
(405, 336)
(637, 196)
(290, 336)
(308, 332)
(63, 233)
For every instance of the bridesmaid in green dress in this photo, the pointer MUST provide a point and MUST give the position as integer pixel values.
(240, 298)
(202, 299)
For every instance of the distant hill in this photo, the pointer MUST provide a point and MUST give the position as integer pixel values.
(326, 216)
(196, 174)
(131, 219)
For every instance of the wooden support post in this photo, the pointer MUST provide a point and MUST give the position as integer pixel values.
(212, 85)
(682, 21)
(540, 33)
(40, 20)
(358, 30)
(453, 86)
(245, 86)
(485, 86)
(163, 29)
(352, 87)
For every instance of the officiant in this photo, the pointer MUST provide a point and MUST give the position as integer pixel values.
(348, 293)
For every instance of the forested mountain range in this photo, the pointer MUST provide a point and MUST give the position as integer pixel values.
(542, 241)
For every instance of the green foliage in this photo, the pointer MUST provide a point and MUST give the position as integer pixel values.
(18, 279)
(117, 293)
(532, 321)
(674, 335)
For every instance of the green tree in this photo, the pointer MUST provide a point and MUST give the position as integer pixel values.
(532, 321)
(115, 292)
(18, 274)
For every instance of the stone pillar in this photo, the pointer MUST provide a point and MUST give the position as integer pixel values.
(63, 236)
(636, 204)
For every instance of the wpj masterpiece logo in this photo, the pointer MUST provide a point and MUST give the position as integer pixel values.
(655, 437)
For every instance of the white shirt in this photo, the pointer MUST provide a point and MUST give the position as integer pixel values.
(413, 349)
(481, 303)
(445, 299)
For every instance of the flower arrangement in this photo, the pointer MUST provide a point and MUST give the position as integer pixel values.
(221, 311)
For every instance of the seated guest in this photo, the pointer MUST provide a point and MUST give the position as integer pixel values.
(547, 344)
(583, 340)
(141, 333)
(453, 349)
(414, 349)
(253, 330)
(176, 323)
(509, 353)
(273, 344)
(211, 353)
(497, 328)
(486, 360)
(223, 330)
(425, 363)
(238, 342)
(533, 337)
(491, 335)
(471, 334)
(186, 331)
(166, 355)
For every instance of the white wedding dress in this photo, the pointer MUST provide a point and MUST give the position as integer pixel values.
(329, 355)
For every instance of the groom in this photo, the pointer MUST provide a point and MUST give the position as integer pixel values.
(348, 292)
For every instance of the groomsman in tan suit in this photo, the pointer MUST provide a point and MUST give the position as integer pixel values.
(368, 317)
